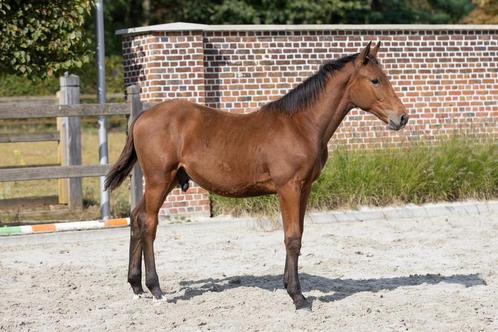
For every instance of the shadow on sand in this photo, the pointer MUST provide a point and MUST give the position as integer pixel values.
(333, 289)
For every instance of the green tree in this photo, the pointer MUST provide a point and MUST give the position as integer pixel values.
(417, 11)
(304, 11)
(485, 12)
(118, 14)
(41, 38)
(287, 11)
(255, 11)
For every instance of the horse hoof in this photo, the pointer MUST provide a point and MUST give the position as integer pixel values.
(302, 303)
(138, 296)
(156, 292)
(137, 289)
(159, 301)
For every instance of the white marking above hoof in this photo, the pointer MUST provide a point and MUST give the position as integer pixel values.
(138, 296)
(159, 301)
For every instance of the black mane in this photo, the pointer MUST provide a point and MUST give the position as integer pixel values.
(308, 91)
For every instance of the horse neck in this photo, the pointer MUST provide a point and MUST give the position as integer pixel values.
(327, 112)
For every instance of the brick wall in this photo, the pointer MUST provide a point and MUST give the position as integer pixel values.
(447, 76)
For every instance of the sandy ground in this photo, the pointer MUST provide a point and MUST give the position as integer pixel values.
(437, 274)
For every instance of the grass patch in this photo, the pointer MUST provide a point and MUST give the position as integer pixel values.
(453, 170)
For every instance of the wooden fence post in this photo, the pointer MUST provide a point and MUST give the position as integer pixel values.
(136, 107)
(71, 137)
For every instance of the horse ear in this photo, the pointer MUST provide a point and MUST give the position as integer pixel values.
(375, 50)
(363, 57)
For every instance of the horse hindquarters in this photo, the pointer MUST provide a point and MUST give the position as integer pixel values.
(156, 153)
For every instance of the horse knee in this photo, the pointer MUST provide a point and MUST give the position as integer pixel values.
(138, 212)
(137, 218)
(149, 231)
(148, 226)
(293, 245)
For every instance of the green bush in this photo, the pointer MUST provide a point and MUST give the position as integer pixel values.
(454, 170)
(12, 85)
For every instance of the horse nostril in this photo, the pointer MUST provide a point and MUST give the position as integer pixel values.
(404, 119)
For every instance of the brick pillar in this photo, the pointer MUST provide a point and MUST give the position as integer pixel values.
(169, 65)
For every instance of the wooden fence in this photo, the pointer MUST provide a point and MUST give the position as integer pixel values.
(68, 112)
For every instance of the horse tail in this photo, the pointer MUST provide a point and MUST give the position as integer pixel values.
(120, 170)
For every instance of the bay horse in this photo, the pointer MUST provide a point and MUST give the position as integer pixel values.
(279, 149)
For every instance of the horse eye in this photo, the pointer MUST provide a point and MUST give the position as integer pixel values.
(375, 81)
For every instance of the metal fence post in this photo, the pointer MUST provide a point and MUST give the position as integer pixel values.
(105, 210)
(136, 107)
(71, 137)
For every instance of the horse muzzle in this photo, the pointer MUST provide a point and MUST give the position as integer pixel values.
(398, 123)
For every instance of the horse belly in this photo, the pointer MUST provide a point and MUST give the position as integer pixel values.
(242, 191)
(231, 181)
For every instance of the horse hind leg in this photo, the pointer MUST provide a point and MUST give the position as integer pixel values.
(135, 262)
(156, 190)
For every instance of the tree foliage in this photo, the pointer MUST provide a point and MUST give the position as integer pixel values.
(256, 11)
(308, 12)
(284, 11)
(40, 38)
(43, 37)
(485, 12)
(418, 11)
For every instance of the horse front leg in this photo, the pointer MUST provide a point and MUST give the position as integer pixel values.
(305, 193)
(290, 203)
